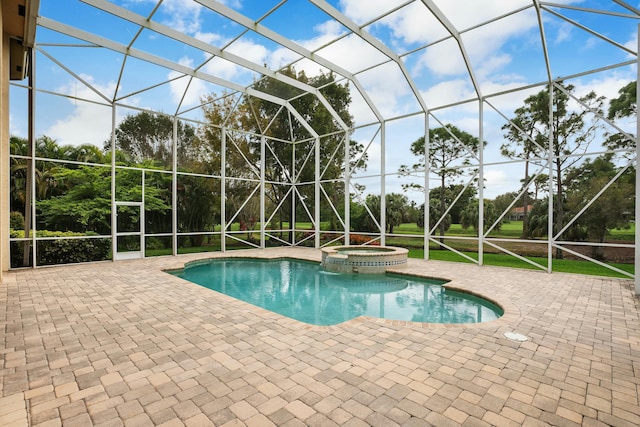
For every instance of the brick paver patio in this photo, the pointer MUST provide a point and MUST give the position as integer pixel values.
(115, 344)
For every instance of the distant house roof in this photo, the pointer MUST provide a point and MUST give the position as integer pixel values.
(520, 209)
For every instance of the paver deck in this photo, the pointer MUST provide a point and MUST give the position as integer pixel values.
(124, 343)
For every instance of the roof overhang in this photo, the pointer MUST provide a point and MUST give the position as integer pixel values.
(19, 23)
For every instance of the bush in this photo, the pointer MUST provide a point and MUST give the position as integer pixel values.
(157, 243)
(63, 251)
(359, 239)
(16, 220)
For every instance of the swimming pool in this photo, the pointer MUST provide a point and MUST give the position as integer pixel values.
(301, 290)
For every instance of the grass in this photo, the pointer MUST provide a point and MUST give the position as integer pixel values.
(502, 260)
(413, 240)
(511, 229)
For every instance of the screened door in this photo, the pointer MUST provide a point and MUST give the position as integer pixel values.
(129, 236)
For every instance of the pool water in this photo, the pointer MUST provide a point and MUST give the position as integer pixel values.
(301, 290)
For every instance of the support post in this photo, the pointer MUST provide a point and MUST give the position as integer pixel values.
(223, 190)
(263, 166)
(294, 187)
(143, 221)
(550, 230)
(29, 208)
(347, 188)
(174, 190)
(114, 217)
(316, 196)
(427, 200)
(383, 179)
(481, 184)
(637, 215)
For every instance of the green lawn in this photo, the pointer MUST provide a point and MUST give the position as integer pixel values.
(414, 241)
(511, 229)
(503, 260)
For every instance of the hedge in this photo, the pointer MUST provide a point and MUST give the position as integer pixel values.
(63, 251)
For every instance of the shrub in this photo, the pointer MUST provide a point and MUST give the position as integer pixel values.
(359, 239)
(16, 220)
(63, 251)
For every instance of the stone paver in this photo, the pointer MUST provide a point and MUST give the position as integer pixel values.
(126, 344)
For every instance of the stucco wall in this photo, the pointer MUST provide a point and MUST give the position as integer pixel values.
(4, 148)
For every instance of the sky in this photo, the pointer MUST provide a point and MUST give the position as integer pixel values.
(502, 55)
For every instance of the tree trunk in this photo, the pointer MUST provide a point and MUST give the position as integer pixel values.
(559, 207)
(597, 252)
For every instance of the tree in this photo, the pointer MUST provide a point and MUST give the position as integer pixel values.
(198, 206)
(471, 216)
(361, 220)
(85, 205)
(572, 133)
(524, 143)
(621, 107)
(453, 191)
(625, 105)
(612, 209)
(288, 141)
(503, 201)
(283, 167)
(540, 183)
(449, 148)
(397, 209)
(538, 219)
(86, 153)
(241, 164)
(434, 206)
(145, 136)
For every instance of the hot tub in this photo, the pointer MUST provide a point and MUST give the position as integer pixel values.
(362, 259)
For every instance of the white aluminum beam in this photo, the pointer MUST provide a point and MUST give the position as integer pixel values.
(377, 44)
(152, 59)
(239, 18)
(440, 16)
(206, 47)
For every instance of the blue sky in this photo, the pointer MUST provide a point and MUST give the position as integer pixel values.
(503, 55)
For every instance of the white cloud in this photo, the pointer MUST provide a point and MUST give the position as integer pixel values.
(414, 24)
(563, 32)
(386, 86)
(448, 92)
(196, 87)
(606, 85)
(363, 11)
(343, 53)
(632, 44)
(443, 59)
(195, 90)
(182, 15)
(211, 38)
(217, 67)
(88, 123)
(359, 109)
(508, 102)
(253, 52)
(16, 128)
(326, 33)
(283, 56)
(498, 181)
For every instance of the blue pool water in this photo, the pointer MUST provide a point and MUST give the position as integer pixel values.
(303, 291)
